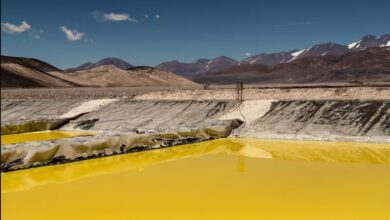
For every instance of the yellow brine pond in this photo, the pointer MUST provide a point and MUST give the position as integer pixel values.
(41, 136)
(221, 179)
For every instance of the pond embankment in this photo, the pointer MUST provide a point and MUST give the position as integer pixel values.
(150, 121)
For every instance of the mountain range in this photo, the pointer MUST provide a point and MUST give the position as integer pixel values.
(270, 59)
(18, 72)
(369, 65)
(365, 60)
(200, 66)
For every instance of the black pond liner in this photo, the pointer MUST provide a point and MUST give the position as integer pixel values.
(138, 148)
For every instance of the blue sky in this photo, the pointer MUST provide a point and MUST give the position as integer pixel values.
(147, 32)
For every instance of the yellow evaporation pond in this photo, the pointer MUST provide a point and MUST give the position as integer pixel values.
(41, 136)
(221, 179)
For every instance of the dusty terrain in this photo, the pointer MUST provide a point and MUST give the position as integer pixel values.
(216, 92)
(108, 76)
(341, 93)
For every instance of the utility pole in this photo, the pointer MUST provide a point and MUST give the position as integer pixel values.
(240, 90)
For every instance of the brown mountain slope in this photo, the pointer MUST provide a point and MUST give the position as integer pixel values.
(372, 64)
(121, 64)
(26, 72)
(189, 70)
(109, 75)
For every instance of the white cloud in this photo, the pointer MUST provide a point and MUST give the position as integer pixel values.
(23, 27)
(88, 40)
(72, 35)
(146, 16)
(11, 28)
(248, 54)
(35, 36)
(118, 17)
(158, 16)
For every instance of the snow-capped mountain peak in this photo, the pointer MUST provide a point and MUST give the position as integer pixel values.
(370, 41)
(353, 45)
(296, 54)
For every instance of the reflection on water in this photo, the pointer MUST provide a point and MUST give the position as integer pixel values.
(41, 136)
(221, 179)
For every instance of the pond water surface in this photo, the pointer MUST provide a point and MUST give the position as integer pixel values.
(221, 179)
(41, 136)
